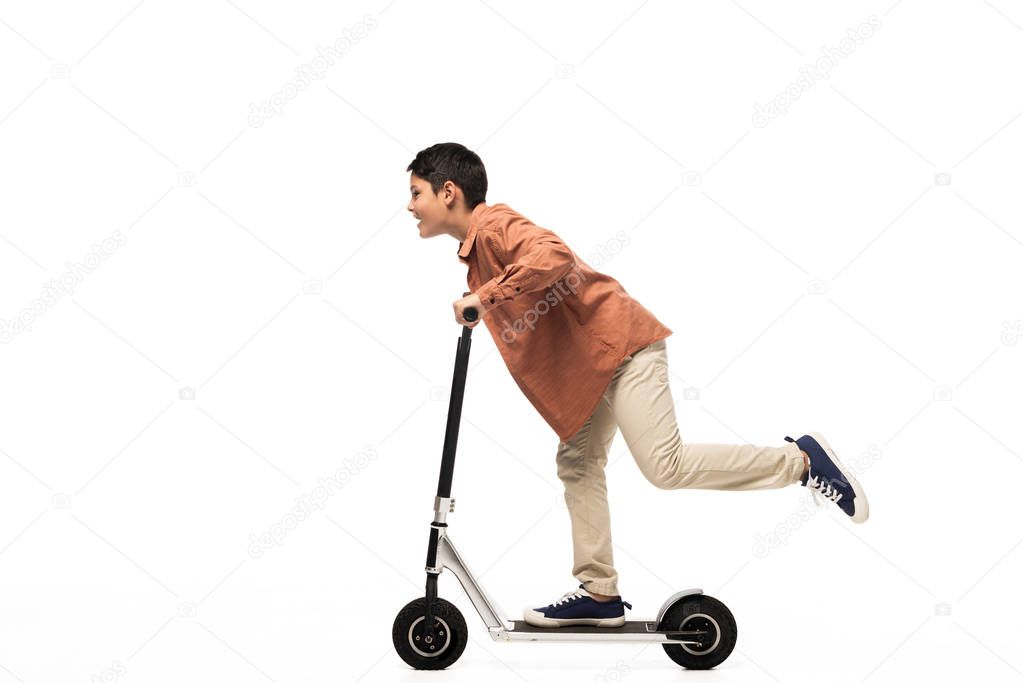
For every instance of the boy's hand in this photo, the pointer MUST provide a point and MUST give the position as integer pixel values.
(466, 301)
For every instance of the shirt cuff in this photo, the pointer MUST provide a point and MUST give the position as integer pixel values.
(491, 295)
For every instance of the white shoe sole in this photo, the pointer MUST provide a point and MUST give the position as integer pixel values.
(862, 507)
(535, 618)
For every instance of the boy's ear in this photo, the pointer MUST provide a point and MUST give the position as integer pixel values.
(449, 193)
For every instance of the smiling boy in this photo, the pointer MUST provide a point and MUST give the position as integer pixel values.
(591, 360)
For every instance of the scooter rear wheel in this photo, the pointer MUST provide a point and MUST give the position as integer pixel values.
(411, 643)
(715, 623)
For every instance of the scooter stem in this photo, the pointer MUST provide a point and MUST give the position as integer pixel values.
(447, 465)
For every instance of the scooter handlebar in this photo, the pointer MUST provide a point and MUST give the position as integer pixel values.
(469, 313)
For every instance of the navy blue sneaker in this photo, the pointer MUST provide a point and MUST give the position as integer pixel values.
(577, 608)
(828, 479)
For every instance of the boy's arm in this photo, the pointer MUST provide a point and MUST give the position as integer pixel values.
(536, 258)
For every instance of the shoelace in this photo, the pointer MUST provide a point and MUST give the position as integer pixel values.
(571, 595)
(821, 491)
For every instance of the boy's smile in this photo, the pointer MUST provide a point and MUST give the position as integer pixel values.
(422, 205)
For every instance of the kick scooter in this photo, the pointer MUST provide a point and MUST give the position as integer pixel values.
(696, 630)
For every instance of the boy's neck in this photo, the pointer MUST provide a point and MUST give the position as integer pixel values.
(459, 223)
(459, 227)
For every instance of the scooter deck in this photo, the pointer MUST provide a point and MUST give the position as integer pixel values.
(628, 627)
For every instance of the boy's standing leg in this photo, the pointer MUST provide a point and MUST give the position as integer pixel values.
(581, 461)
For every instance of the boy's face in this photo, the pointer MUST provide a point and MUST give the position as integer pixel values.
(431, 209)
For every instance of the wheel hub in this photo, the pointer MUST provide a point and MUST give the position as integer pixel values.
(426, 645)
(705, 631)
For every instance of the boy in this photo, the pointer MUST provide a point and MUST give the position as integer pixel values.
(591, 360)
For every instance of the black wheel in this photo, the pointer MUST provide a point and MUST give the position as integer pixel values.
(714, 627)
(450, 635)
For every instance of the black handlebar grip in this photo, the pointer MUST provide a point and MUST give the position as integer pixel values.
(469, 313)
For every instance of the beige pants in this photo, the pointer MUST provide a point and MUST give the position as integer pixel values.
(638, 400)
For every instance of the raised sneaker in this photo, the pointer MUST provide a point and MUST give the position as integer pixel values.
(829, 480)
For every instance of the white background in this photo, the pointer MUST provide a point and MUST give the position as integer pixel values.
(818, 272)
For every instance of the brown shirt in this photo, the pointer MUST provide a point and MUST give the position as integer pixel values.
(561, 326)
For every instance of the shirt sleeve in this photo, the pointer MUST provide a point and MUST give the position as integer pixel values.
(536, 258)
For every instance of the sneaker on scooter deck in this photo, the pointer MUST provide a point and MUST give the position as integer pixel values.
(828, 478)
(578, 608)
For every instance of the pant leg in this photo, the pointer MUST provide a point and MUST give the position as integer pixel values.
(581, 462)
(642, 406)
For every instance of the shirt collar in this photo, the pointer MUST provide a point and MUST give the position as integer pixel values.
(465, 246)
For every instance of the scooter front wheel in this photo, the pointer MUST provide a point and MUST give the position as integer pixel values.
(421, 651)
